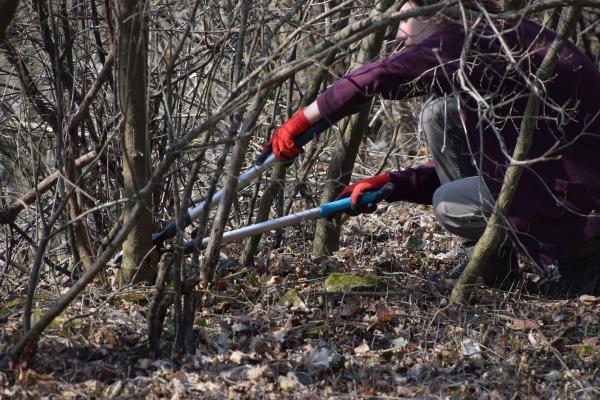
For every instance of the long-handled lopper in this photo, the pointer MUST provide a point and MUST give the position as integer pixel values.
(323, 211)
(262, 164)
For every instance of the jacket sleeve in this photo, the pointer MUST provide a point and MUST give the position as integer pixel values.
(416, 70)
(415, 185)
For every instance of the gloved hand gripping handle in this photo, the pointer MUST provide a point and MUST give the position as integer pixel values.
(365, 199)
(300, 140)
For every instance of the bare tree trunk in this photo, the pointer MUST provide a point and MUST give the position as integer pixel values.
(264, 208)
(493, 234)
(81, 237)
(7, 12)
(273, 189)
(551, 18)
(237, 158)
(327, 235)
(229, 191)
(279, 171)
(157, 310)
(132, 79)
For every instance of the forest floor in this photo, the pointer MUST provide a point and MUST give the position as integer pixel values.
(396, 337)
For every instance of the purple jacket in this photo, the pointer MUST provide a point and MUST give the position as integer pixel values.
(558, 199)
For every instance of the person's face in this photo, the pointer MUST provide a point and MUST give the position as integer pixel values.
(415, 30)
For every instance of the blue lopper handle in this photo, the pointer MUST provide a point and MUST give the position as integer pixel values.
(344, 204)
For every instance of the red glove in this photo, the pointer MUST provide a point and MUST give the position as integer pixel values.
(282, 141)
(365, 185)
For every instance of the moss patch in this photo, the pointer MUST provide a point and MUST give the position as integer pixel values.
(337, 282)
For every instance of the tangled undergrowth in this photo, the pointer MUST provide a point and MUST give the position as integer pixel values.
(280, 330)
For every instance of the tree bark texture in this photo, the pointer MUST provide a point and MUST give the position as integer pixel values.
(264, 209)
(81, 237)
(161, 300)
(493, 234)
(132, 81)
(229, 191)
(327, 235)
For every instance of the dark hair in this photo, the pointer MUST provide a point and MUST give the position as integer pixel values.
(491, 6)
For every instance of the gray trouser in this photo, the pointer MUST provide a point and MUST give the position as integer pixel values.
(463, 203)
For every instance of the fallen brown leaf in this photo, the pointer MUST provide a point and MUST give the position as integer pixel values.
(288, 383)
(384, 314)
(589, 300)
(363, 348)
(523, 325)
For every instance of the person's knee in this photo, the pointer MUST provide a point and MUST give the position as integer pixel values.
(456, 215)
(442, 208)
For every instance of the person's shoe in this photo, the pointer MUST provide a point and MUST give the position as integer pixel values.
(467, 251)
(499, 271)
